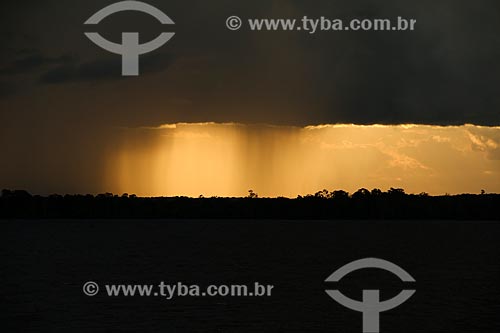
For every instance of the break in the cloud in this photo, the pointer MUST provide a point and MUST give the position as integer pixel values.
(229, 159)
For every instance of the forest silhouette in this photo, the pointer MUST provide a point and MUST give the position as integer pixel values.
(363, 204)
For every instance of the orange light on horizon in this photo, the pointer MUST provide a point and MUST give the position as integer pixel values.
(228, 159)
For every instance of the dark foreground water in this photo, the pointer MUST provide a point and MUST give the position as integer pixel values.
(44, 265)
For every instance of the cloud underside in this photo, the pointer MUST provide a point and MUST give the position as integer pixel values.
(444, 72)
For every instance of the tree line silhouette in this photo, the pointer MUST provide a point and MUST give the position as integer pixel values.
(363, 204)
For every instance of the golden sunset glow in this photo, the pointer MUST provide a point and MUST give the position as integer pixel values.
(229, 159)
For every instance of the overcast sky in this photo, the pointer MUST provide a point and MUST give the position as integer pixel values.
(61, 96)
(445, 72)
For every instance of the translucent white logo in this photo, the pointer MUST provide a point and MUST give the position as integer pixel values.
(130, 49)
(371, 306)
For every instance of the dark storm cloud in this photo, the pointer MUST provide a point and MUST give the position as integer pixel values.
(446, 72)
(32, 61)
(7, 89)
(103, 70)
